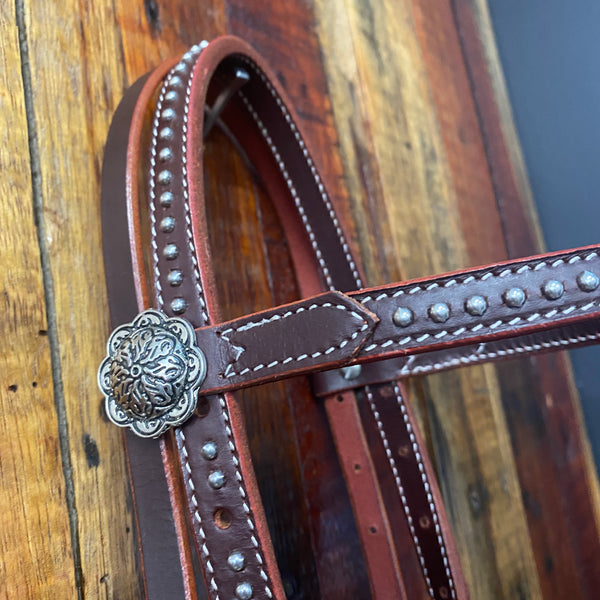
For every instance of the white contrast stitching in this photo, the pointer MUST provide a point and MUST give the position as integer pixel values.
(242, 492)
(186, 203)
(313, 171)
(422, 337)
(155, 122)
(292, 190)
(427, 487)
(199, 290)
(279, 316)
(189, 481)
(477, 357)
(516, 269)
(405, 505)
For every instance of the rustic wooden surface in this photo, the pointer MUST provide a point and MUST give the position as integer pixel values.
(425, 162)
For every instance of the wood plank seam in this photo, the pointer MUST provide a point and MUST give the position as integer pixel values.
(38, 212)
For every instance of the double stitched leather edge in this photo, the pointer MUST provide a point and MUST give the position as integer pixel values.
(334, 329)
(482, 314)
(159, 535)
(318, 247)
(226, 513)
(163, 180)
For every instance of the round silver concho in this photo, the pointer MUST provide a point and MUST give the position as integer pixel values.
(151, 374)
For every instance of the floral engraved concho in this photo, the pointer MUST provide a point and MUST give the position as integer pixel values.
(152, 373)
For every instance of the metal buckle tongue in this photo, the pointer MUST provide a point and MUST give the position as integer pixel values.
(152, 373)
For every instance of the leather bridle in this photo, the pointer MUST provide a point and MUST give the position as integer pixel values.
(356, 344)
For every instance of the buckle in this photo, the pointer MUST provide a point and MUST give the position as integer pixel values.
(152, 373)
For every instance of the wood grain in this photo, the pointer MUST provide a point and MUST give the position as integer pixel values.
(406, 111)
(35, 542)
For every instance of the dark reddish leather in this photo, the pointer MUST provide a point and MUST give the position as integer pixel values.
(409, 486)
(158, 540)
(365, 495)
(328, 331)
(310, 224)
(227, 517)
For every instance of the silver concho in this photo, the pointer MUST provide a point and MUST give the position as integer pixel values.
(151, 374)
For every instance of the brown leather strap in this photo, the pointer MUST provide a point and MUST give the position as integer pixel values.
(334, 329)
(316, 239)
(159, 534)
(480, 314)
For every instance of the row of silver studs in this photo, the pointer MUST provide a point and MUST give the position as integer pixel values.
(164, 178)
(209, 451)
(236, 560)
(514, 297)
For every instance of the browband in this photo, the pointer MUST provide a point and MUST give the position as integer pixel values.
(361, 340)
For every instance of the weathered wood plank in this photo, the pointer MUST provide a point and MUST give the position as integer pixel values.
(35, 541)
(78, 80)
(418, 155)
(74, 94)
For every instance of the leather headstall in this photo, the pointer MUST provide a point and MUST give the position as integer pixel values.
(173, 364)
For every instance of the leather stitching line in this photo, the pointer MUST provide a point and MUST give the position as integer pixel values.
(292, 190)
(399, 486)
(224, 412)
(155, 123)
(476, 357)
(516, 270)
(190, 482)
(242, 491)
(461, 330)
(224, 334)
(310, 163)
(427, 488)
(186, 203)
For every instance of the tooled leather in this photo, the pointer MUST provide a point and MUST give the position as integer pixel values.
(222, 513)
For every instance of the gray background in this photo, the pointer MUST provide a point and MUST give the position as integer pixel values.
(550, 52)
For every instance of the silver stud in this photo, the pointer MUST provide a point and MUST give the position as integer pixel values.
(209, 450)
(476, 306)
(165, 155)
(216, 480)
(439, 312)
(166, 133)
(587, 281)
(175, 277)
(243, 591)
(168, 114)
(351, 372)
(403, 317)
(187, 56)
(171, 96)
(171, 251)
(195, 49)
(178, 305)
(166, 199)
(167, 224)
(203, 44)
(175, 81)
(165, 177)
(514, 298)
(236, 561)
(553, 289)
(181, 68)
